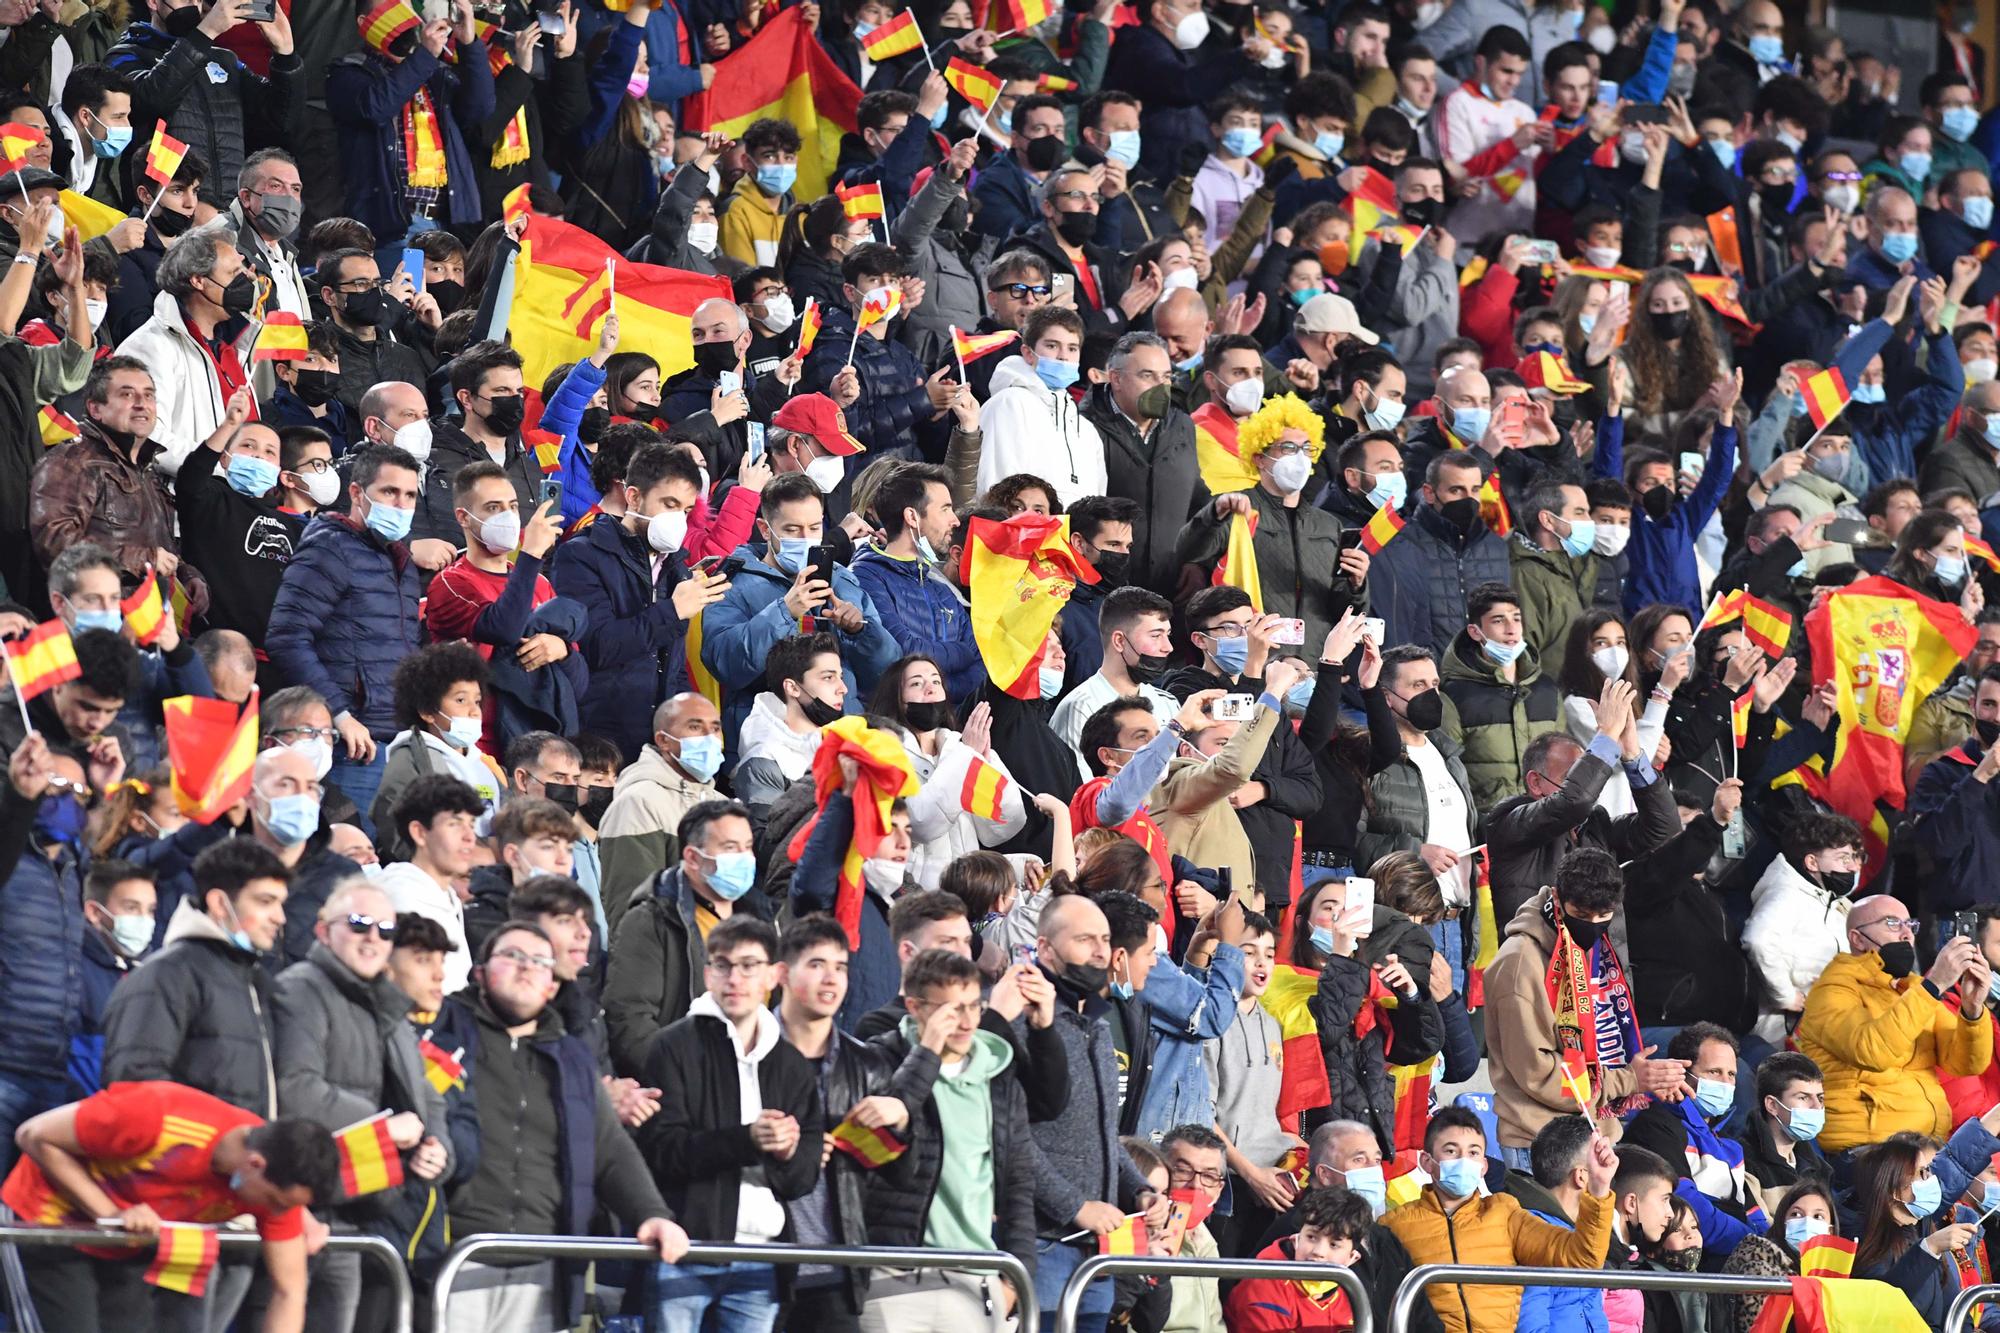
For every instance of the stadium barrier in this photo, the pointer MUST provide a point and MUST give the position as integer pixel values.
(1111, 1265)
(1404, 1308)
(1960, 1313)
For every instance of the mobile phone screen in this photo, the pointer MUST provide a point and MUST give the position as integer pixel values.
(413, 264)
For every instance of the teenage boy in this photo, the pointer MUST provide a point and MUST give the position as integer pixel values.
(438, 814)
(1334, 1226)
(1246, 1067)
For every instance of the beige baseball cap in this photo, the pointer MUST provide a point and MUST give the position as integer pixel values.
(1327, 313)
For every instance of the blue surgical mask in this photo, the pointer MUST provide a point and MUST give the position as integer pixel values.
(1470, 423)
(1241, 142)
(1586, 322)
(293, 819)
(1797, 569)
(775, 178)
(1387, 414)
(1713, 1097)
(116, 137)
(1958, 122)
(791, 554)
(1989, 1198)
(862, 28)
(1725, 152)
(1368, 1182)
(1582, 535)
(938, 116)
(1865, 392)
(1925, 1196)
(1231, 655)
(1506, 654)
(1051, 682)
(1305, 294)
(1124, 148)
(733, 873)
(1805, 1124)
(1767, 50)
(1057, 374)
(1951, 570)
(1122, 990)
(1329, 145)
(1301, 694)
(1322, 939)
(701, 756)
(925, 551)
(1799, 1230)
(1189, 366)
(1391, 488)
(1916, 166)
(1004, 122)
(1977, 210)
(1459, 1177)
(388, 522)
(111, 620)
(464, 732)
(251, 476)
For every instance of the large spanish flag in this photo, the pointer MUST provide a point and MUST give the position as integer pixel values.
(1288, 999)
(885, 775)
(1020, 574)
(211, 751)
(1839, 1305)
(1885, 648)
(783, 74)
(1223, 469)
(562, 291)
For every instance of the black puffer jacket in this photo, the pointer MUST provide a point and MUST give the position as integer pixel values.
(452, 449)
(1357, 1067)
(197, 1012)
(41, 953)
(893, 416)
(207, 96)
(1161, 472)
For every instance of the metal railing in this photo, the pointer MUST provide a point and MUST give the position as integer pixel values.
(1961, 1307)
(369, 1247)
(1404, 1307)
(498, 1246)
(1111, 1265)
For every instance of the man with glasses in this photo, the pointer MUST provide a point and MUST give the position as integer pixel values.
(1195, 1156)
(1883, 1034)
(738, 1135)
(1066, 237)
(1015, 283)
(364, 316)
(345, 1053)
(551, 1147)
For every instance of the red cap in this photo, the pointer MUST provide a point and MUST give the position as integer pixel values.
(819, 416)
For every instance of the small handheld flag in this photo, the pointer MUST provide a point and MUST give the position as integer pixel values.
(1129, 1237)
(145, 613)
(1385, 525)
(210, 749)
(809, 323)
(283, 338)
(386, 22)
(516, 204)
(1054, 83)
(875, 310)
(57, 426)
(893, 38)
(974, 84)
(1739, 717)
(41, 660)
(443, 1072)
(369, 1159)
(1826, 393)
(548, 449)
(1575, 1076)
(1767, 626)
(972, 346)
(1493, 507)
(982, 790)
(1027, 13)
(1725, 607)
(860, 203)
(163, 157)
(871, 1148)
(184, 1258)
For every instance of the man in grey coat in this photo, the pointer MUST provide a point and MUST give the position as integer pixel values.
(1423, 311)
(346, 1054)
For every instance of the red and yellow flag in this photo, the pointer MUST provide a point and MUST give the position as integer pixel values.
(1767, 626)
(57, 426)
(1826, 394)
(1976, 547)
(1385, 525)
(1723, 240)
(1573, 1072)
(972, 346)
(1025, 14)
(780, 73)
(562, 291)
(861, 203)
(869, 1147)
(444, 1071)
(809, 323)
(974, 84)
(1403, 237)
(1020, 574)
(184, 1258)
(548, 449)
(1128, 1237)
(516, 204)
(145, 613)
(210, 750)
(283, 338)
(984, 786)
(1486, 929)
(1722, 297)
(1238, 568)
(1827, 1256)
(42, 659)
(875, 310)
(1726, 607)
(1886, 648)
(893, 38)
(90, 218)
(1223, 469)
(386, 22)
(1493, 506)
(17, 141)
(1372, 200)
(1839, 1305)
(706, 683)
(1739, 717)
(369, 1160)
(885, 776)
(1546, 370)
(1054, 83)
(1288, 1000)
(163, 155)
(1412, 1088)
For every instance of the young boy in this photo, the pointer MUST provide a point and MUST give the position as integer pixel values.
(1246, 1065)
(1334, 1223)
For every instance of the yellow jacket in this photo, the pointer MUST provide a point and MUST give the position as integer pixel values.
(1494, 1231)
(752, 224)
(1880, 1042)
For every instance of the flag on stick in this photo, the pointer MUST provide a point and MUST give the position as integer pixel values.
(444, 1072)
(972, 346)
(283, 338)
(210, 750)
(871, 1148)
(860, 203)
(369, 1159)
(1827, 393)
(1385, 525)
(1239, 560)
(1128, 1237)
(884, 776)
(41, 660)
(973, 83)
(982, 790)
(1493, 507)
(57, 426)
(893, 38)
(809, 323)
(1767, 626)
(184, 1258)
(145, 614)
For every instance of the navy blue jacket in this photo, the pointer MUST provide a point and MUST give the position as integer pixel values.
(667, 79)
(875, 976)
(1006, 198)
(634, 643)
(1959, 820)
(208, 97)
(366, 95)
(1662, 553)
(41, 951)
(345, 618)
(1420, 581)
(893, 415)
(285, 408)
(102, 969)
(1175, 87)
(926, 616)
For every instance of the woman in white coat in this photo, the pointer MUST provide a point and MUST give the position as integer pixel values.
(1798, 917)
(949, 767)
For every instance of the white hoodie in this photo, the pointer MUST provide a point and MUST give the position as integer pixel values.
(759, 1215)
(1028, 427)
(1795, 929)
(766, 736)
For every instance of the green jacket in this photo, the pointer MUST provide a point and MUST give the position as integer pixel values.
(1495, 720)
(1555, 589)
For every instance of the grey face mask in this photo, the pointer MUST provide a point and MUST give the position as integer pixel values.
(278, 216)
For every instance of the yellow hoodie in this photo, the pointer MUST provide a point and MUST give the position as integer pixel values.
(752, 224)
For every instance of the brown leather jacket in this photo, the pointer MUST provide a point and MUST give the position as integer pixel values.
(88, 490)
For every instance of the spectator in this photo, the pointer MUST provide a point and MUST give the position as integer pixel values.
(95, 117)
(673, 775)
(1494, 137)
(1007, 189)
(1552, 1190)
(437, 815)
(763, 194)
(781, 735)
(234, 519)
(486, 388)
(1031, 415)
(1694, 1133)
(1162, 61)
(893, 409)
(1422, 796)
(1135, 627)
(1798, 917)
(1554, 567)
(1496, 694)
(694, 399)
(1194, 1157)
(1906, 1192)
(121, 933)
(305, 397)
(284, 803)
(266, 212)
(1334, 1226)
(1105, 293)
(370, 323)
(897, 580)
(1953, 802)
(1446, 550)
(1779, 1140)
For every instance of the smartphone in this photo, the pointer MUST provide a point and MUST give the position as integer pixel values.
(729, 382)
(1694, 464)
(1358, 915)
(1644, 113)
(1513, 416)
(756, 429)
(413, 264)
(1350, 540)
(1734, 841)
(1024, 955)
(1543, 252)
(822, 561)
(552, 494)
(1965, 925)
(1855, 532)
(1289, 631)
(1233, 708)
(1062, 290)
(262, 11)
(1607, 91)
(1225, 884)
(1372, 629)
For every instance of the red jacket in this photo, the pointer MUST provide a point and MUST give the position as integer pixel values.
(1279, 1305)
(1976, 1094)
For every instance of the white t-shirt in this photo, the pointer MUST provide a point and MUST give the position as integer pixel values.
(1449, 824)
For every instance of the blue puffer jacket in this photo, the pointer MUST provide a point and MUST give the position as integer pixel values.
(924, 613)
(1561, 1309)
(893, 415)
(740, 630)
(1188, 1006)
(366, 96)
(41, 951)
(635, 643)
(345, 617)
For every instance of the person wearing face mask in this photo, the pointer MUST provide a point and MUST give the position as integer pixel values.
(1228, 177)
(755, 218)
(95, 116)
(1373, 398)
(893, 144)
(1554, 567)
(1665, 526)
(1443, 548)
(1884, 1034)
(267, 211)
(1894, 243)
(305, 395)
(535, 839)
(1913, 1216)
(1961, 220)
(781, 735)
(440, 699)
(1780, 1137)
(1367, 477)
(120, 905)
(365, 317)
(1954, 803)
(675, 773)
(694, 401)
(892, 405)
(1100, 532)
(232, 521)
(487, 390)
(1698, 1133)
(943, 256)
(678, 238)
(1031, 423)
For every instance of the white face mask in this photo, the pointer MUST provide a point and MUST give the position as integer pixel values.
(94, 311)
(778, 313)
(1245, 396)
(500, 532)
(1980, 369)
(826, 472)
(322, 487)
(1601, 39)
(883, 876)
(1602, 256)
(1846, 198)
(1611, 661)
(666, 530)
(1191, 31)
(1180, 277)
(1428, 13)
(318, 752)
(134, 934)
(1290, 474)
(414, 438)
(1611, 538)
(702, 236)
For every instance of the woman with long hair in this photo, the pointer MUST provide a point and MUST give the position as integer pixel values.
(1903, 1200)
(817, 236)
(611, 184)
(136, 811)
(1672, 351)
(1598, 650)
(632, 388)
(1718, 668)
(1931, 559)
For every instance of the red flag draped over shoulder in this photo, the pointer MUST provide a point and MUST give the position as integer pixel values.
(781, 73)
(885, 775)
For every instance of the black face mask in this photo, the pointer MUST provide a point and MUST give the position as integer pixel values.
(1111, 566)
(1684, 265)
(1658, 503)
(594, 422)
(1585, 933)
(1839, 883)
(1562, 412)
(1669, 325)
(315, 387)
(1777, 200)
(953, 34)
(369, 309)
(1076, 228)
(1989, 732)
(926, 716)
(239, 295)
(505, 415)
(1420, 212)
(1425, 711)
(1081, 980)
(1461, 514)
(169, 223)
(563, 794)
(1899, 958)
(595, 801)
(1042, 154)
(182, 21)
(449, 295)
(1147, 669)
(711, 359)
(818, 711)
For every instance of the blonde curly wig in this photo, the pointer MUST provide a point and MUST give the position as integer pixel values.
(1273, 419)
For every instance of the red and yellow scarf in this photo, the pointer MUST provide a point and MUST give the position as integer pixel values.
(423, 143)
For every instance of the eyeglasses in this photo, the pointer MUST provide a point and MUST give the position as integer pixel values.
(313, 467)
(1285, 449)
(1092, 197)
(353, 285)
(1181, 1175)
(527, 962)
(290, 734)
(64, 787)
(384, 928)
(748, 967)
(1842, 177)
(1021, 291)
(1778, 176)
(1225, 631)
(1893, 923)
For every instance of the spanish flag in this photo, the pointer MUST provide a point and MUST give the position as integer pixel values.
(1721, 295)
(184, 1258)
(17, 141)
(861, 203)
(1486, 929)
(1724, 241)
(1767, 626)
(885, 776)
(211, 750)
(1839, 1305)
(1386, 524)
(974, 84)
(386, 22)
(163, 155)
(1288, 1000)
(1827, 1256)
(1238, 568)
(1412, 1088)
(1404, 238)
(1826, 394)
(1724, 608)
(562, 291)
(873, 311)
(1129, 1237)
(90, 218)
(42, 659)
(1546, 370)
(548, 449)
(893, 38)
(1493, 506)
(781, 73)
(283, 338)
(869, 1147)
(972, 346)
(1053, 83)
(1739, 717)
(1223, 469)
(145, 614)
(1020, 574)
(441, 1070)
(516, 204)
(1974, 546)
(57, 426)
(1025, 14)
(984, 786)
(809, 323)
(1373, 200)
(1573, 1071)
(369, 1159)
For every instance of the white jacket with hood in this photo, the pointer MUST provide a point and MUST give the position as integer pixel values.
(773, 756)
(760, 1218)
(1795, 929)
(941, 830)
(1028, 427)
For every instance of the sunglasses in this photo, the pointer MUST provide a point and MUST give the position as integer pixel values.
(1021, 291)
(385, 929)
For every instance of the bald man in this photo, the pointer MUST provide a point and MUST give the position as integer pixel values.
(396, 412)
(722, 425)
(231, 664)
(675, 772)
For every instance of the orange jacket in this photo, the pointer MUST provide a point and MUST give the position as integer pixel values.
(1494, 1231)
